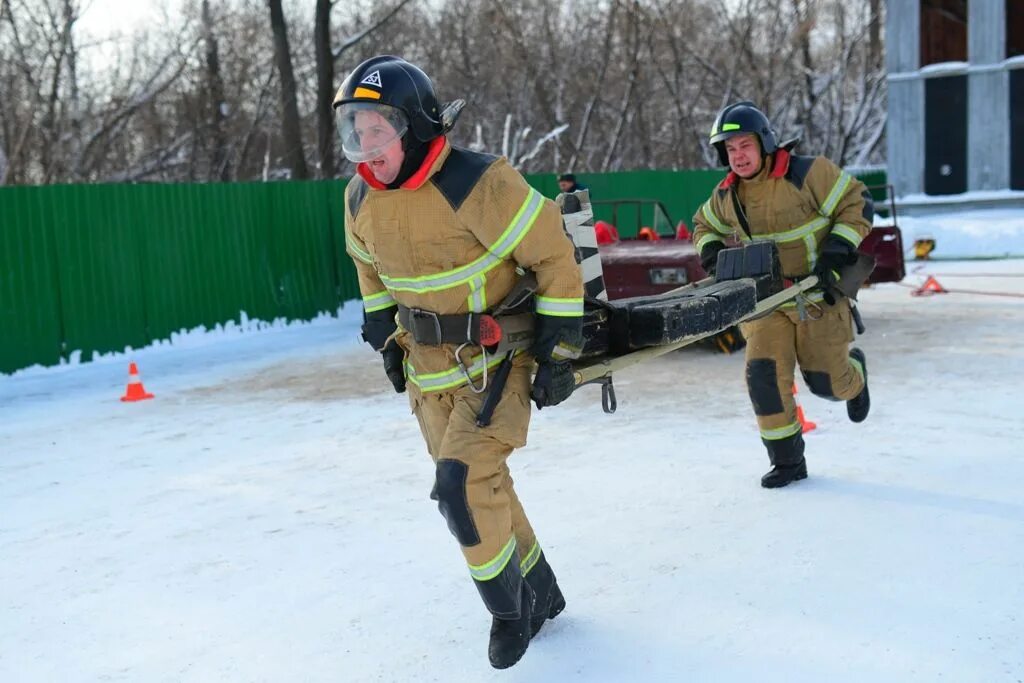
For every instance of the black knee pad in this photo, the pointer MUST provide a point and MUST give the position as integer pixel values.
(820, 384)
(450, 494)
(763, 385)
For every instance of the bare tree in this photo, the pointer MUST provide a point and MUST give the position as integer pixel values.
(210, 94)
(291, 129)
(219, 166)
(324, 88)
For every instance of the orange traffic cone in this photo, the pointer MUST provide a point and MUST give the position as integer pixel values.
(135, 391)
(805, 424)
(930, 286)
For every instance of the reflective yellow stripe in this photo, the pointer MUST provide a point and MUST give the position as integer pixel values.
(847, 233)
(488, 570)
(781, 433)
(706, 240)
(799, 233)
(837, 192)
(811, 244)
(378, 302)
(530, 560)
(815, 297)
(495, 254)
(709, 215)
(858, 367)
(356, 251)
(477, 299)
(451, 378)
(560, 308)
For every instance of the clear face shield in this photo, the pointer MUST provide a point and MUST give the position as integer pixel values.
(367, 129)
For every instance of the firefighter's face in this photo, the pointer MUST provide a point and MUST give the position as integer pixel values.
(744, 154)
(565, 185)
(373, 131)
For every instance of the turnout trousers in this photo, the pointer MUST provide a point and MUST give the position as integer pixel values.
(474, 489)
(775, 345)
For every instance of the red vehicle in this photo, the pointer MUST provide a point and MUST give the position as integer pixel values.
(662, 257)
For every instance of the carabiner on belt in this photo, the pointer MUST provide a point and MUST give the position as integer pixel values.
(465, 371)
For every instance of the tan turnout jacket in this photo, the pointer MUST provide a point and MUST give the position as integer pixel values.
(449, 241)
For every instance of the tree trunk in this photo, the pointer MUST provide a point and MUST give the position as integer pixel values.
(292, 134)
(324, 88)
(875, 34)
(219, 165)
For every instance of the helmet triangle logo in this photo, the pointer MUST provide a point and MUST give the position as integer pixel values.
(372, 79)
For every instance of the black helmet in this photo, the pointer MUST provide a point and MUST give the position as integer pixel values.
(400, 93)
(737, 119)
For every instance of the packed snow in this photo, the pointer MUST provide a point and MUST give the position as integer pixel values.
(266, 516)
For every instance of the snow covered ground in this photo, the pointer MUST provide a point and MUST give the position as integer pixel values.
(266, 517)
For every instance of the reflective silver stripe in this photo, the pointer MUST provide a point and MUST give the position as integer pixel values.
(812, 252)
(560, 308)
(838, 190)
(356, 251)
(530, 560)
(451, 378)
(477, 300)
(563, 351)
(814, 297)
(378, 302)
(847, 233)
(709, 215)
(781, 433)
(799, 233)
(858, 367)
(488, 570)
(706, 240)
(519, 226)
(509, 240)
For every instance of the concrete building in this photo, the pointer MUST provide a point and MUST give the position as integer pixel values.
(956, 102)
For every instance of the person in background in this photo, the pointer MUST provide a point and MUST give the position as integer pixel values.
(817, 214)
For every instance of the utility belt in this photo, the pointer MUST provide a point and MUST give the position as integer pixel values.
(496, 333)
(505, 330)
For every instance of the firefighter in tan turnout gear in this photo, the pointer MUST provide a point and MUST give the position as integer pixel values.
(440, 237)
(817, 215)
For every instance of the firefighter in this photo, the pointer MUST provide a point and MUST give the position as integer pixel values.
(817, 214)
(440, 236)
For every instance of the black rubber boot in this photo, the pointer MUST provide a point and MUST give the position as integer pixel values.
(781, 475)
(857, 407)
(511, 637)
(549, 601)
(788, 463)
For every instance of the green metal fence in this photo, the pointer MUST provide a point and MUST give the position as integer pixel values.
(98, 268)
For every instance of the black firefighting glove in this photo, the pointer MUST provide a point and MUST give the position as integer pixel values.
(556, 341)
(394, 365)
(709, 256)
(836, 254)
(553, 384)
(557, 338)
(378, 327)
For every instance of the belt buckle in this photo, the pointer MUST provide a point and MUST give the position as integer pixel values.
(419, 316)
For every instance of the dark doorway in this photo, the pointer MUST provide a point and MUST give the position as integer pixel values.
(945, 135)
(1014, 28)
(944, 31)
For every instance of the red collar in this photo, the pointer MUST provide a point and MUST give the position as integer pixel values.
(416, 179)
(780, 164)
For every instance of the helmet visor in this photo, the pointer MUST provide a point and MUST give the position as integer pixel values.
(368, 128)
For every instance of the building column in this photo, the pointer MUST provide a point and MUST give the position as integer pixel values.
(905, 123)
(988, 98)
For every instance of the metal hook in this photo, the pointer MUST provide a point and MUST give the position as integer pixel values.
(465, 371)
